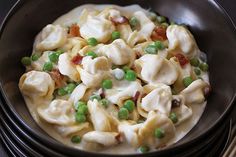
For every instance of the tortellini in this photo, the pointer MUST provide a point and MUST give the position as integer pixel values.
(100, 118)
(94, 70)
(58, 112)
(158, 99)
(107, 139)
(96, 65)
(194, 93)
(143, 134)
(98, 27)
(146, 25)
(51, 37)
(67, 68)
(155, 69)
(37, 85)
(180, 37)
(78, 93)
(118, 52)
(123, 89)
(130, 133)
(155, 120)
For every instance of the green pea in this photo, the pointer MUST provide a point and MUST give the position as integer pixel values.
(203, 67)
(80, 118)
(76, 139)
(48, 66)
(126, 68)
(194, 62)
(130, 75)
(159, 45)
(129, 105)
(115, 35)
(104, 102)
(82, 109)
(91, 53)
(70, 87)
(92, 97)
(151, 49)
(173, 117)
(92, 41)
(79, 103)
(35, 57)
(53, 57)
(153, 16)
(123, 114)
(159, 133)
(144, 149)
(133, 22)
(197, 71)
(107, 84)
(165, 25)
(187, 81)
(26, 61)
(161, 19)
(59, 52)
(61, 92)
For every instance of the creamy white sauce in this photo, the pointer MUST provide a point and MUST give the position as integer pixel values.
(124, 148)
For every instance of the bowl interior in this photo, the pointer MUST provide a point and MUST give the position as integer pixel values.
(211, 28)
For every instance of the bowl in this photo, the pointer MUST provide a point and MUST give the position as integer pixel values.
(212, 28)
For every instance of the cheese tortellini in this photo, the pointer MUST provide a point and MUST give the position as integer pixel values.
(58, 112)
(37, 85)
(97, 26)
(158, 99)
(180, 37)
(51, 37)
(114, 79)
(67, 68)
(118, 52)
(106, 139)
(155, 69)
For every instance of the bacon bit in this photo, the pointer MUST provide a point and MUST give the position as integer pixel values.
(103, 94)
(136, 96)
(207, 91)
(182, 59)
(145, 94)
(58, 78)
(74, 31)
(77, 59)
(159, 33)
(119, 138)
(138, 54)
(119, 20)
(175, 103)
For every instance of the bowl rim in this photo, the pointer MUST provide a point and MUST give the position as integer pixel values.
(63, 148)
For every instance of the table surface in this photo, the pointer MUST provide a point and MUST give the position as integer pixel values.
(5, 5)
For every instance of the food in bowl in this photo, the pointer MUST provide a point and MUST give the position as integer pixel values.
(115, 79)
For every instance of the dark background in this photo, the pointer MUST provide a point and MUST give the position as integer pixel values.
(5, 5)
(229, 5)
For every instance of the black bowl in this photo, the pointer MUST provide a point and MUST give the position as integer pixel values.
(212, 28)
